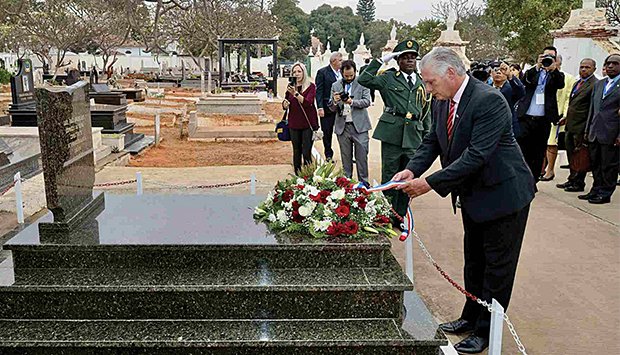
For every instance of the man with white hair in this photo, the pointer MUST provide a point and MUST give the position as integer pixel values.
(483, 166)
(325, 78)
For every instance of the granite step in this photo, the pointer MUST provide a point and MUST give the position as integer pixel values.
(238, 337)
(196, 294)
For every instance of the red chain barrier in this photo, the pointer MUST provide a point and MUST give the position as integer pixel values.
(7, 189)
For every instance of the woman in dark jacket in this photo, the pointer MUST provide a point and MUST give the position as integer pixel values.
(302, 116)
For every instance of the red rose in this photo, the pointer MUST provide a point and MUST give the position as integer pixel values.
(348, 190)
(300, 187)
(361, 201)
(351, 227)
(381, 219)
(324, 195)
(343, 211)
(343, 182)
(316, 198)
(275, 199)
(297, 218)
(288, 195)
(333, 229)
(296, 206)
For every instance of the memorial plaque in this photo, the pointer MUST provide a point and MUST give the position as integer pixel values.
(100, 88)
(22, 85)
(66, 149)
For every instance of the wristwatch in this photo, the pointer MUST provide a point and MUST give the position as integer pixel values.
(296, 94)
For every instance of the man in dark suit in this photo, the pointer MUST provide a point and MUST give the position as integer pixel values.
(539, 109)
(483, 166)
(325, 78)
(603, 133)
(510, 86)
(576, 118)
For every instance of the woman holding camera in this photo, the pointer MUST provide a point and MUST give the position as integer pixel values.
(302, 116)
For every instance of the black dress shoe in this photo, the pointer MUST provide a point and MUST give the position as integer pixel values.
(564, 185)
(565, 166)
(458, 326)
(599, 200)
(473, 344)
(587, 196)
(573, 188)
(547, 178)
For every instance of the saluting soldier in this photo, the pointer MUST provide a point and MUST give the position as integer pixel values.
(405, 119)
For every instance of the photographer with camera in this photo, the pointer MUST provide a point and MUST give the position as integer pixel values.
(539, 109)
(350, 101)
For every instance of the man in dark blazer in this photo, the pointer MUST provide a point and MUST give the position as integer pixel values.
(483, 166)
(576, 118)
(511, 87)
(539, 109)
(325, 78)
(603, 133)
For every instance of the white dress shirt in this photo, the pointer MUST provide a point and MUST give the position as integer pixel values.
(457, 97)
(413, 77)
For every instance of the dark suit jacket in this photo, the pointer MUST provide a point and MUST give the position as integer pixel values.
(603, 119)
(579, 107)
(482, 163)
(555, 81)
(513, 90)
(325, 78)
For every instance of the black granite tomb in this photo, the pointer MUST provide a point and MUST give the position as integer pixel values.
(113, 119)
(22, 109)
(102, 95)
(65, 137)
(135, 94)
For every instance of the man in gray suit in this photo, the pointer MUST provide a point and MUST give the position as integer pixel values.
(603, 133)
(350, 101)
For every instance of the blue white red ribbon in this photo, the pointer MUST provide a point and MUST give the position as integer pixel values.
(409, 224)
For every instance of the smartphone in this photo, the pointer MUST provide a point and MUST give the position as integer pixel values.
(292, 81)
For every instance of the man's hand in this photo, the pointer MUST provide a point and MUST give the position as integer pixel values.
(321, 112)
(505, 69)
(349, 101)
(336, 98)
(291, 90)
(562, 122)
(552, 67)
(386, 58)
(285, 104)
(415, 187)
(539, 62)
(404, 175)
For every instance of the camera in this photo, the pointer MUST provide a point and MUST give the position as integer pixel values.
(480, 70)
(292, 81)
(547, 60)
(344, 96)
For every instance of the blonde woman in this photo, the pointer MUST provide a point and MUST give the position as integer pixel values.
(302, 116)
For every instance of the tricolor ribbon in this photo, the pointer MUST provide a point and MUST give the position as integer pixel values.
(409, 225)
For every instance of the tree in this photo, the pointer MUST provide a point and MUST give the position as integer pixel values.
(426, 32)
(460, 8)
(377, 34)
(366, 9)
(292, 23)
(485, 40)
(527, 23)
(613, 10)
(333, 23)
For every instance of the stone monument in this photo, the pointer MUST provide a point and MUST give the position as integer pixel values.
(361, 52)
(451, 38)
(586, 34)
(22, 108)
(67, 152)
(343, 50)
(391, 43)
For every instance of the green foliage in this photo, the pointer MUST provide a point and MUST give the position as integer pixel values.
(334, 23)
(426, 32)
(526, 23)
(366, 9)
(5, 76)
(292, 22)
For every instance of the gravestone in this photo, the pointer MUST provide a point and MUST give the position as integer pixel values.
(73, 76)
(67, 153)
(23, 101)
(102, 95)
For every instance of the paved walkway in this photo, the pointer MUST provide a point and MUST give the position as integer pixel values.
(567, 295)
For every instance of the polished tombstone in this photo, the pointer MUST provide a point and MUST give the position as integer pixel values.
(65, 137)
(194, 274)
(113, 120)
(134, 94)
(22, 109)
(102, 95)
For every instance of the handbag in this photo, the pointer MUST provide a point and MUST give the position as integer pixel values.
(580, 160)
(282, 130)
(317, 134)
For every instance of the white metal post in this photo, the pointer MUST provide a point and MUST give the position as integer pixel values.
(497, 324)
(253, 184)
(19, 201)
(139, 183)
(158, 127)
(409, 255)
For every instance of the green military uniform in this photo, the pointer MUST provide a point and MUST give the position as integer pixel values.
(404, 122)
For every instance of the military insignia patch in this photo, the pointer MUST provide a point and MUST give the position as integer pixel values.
(409, 44)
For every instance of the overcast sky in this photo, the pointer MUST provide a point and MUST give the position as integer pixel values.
(409, 11)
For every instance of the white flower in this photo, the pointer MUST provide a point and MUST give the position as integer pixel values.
(282, 217)
(311, 190)
(288, 205)
(321, 225)
(307, 209)
(272, 218)
(318, 178)
(301, 181)
(337, 195)
(354, 204)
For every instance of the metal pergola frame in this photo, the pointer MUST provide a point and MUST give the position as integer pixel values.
(247, 42)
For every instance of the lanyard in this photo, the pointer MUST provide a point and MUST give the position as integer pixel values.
(542, 80)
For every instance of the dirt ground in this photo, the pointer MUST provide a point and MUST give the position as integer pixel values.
(175, 152)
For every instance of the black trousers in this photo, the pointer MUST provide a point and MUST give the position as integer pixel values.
(533, 142)
(491, 254)
(302, 147)
(372, 95)
(572, 141)
(604, 161)
(327, 125)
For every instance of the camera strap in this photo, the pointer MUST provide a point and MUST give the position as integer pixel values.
(304, 111)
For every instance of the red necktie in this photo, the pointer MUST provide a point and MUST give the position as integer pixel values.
(577, 87)
(450, 122)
